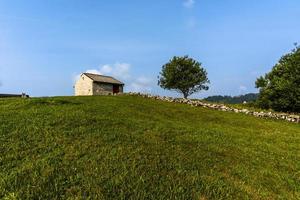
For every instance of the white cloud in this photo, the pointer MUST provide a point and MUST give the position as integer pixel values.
(189, 3)
(121, 70)
(106, 69)
(118, 70)
(93, 71)
(141, 84)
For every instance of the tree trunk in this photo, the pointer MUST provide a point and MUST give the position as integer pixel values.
(185, 95)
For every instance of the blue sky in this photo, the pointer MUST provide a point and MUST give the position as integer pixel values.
(45, 44)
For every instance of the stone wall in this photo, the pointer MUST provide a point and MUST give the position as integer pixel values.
(198, 103)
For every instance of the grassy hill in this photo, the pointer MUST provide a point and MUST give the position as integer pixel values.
(128, 147)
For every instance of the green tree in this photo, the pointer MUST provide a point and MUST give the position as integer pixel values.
(280, 88)
(184, 75)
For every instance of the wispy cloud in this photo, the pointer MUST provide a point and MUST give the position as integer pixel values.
(118, 70)
(189, 3)
(242, 88)
(141, 84)
(191, 23)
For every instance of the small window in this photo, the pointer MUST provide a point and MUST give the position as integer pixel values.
(83, 78)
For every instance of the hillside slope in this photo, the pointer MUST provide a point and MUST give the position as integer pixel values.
(128, 147)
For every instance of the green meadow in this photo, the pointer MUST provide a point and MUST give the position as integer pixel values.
(126, 147)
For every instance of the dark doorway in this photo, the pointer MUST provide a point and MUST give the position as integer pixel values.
(116, 89)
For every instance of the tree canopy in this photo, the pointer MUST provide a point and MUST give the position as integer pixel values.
(184, 75)
(280, 88)
(251, 97)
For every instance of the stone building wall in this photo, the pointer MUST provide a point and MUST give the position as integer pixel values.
(102, 89)
(84, 86)
(121, 90)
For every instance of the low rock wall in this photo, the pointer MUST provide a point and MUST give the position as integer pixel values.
(221, 107)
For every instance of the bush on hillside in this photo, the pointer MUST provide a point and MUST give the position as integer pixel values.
(251, 97)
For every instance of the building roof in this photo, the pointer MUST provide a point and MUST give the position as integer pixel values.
(103, 79)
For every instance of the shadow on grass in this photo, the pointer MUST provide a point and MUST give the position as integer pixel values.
(51, 102)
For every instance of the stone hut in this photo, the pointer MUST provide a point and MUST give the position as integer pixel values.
(93, 84)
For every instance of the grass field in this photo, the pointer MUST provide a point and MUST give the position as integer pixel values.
(128, 147)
